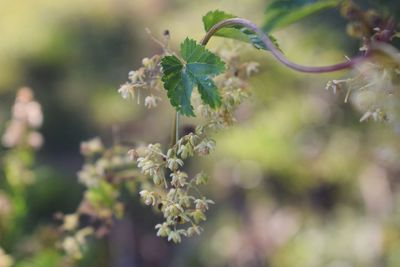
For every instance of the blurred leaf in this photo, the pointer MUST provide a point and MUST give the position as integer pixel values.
(46, 258)
(234, 32)
(104, 194)
(180, 78)
(281, 13)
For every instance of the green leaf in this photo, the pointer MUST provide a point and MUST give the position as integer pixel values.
(198, 69)
(234, 32)
(281, 13)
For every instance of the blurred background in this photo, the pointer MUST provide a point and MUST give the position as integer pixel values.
(298, 181)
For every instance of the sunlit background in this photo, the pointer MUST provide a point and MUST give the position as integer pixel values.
(298, 181)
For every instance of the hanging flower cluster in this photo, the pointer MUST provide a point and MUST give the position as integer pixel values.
(171, 190)
(104, 174)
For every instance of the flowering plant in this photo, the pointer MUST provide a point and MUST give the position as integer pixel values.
(221, 80)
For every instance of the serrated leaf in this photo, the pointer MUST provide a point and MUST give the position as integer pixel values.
(199, 67)
(234, 32)
(281, 13)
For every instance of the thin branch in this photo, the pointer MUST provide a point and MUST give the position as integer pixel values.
(276, 52)
(175, 129)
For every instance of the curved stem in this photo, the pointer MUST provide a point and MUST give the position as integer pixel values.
(276, 52)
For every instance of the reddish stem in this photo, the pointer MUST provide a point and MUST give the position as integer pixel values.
(276, 52)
